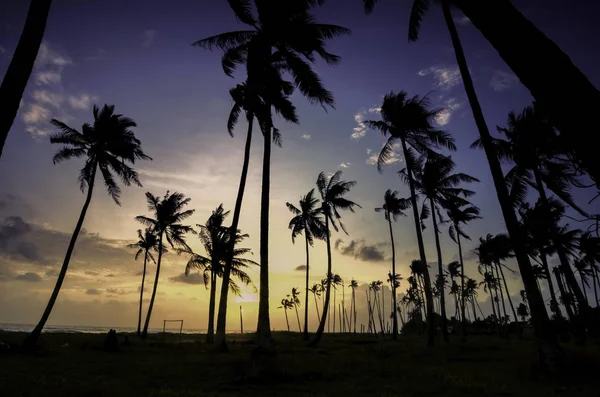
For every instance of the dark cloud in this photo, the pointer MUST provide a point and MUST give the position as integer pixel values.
(11, 228)
(93, 291)
(192, 278)
(117, 291)
(110, 275)
(301, 268)
(29, 277)
(91, 273)
(358, 249)
(52, 273)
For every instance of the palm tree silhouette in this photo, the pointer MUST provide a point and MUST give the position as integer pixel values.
(501, 249)
(283, 37)
(147, 242)
(393, 207)
(20, 67)
(332, 192)
(410, 122)
(394, 280)
(582, 268)
(335, 281)
(354, 286)
(108, 145)
(316, 291)
(589, 250)
(286, 305)
(168, 213)
(307, 220)
(296, 302)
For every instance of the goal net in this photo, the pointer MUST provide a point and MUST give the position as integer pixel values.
(172, 327)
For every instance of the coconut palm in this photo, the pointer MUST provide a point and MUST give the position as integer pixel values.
(454, 273)
(354, 286)
(296, 302)
(393, 207)
(108, 145)
(147, 242)
(316, 291)
(589, 250)
(168, 213)
(335, 282)
(410, 122)
(282, 37)
(286, 304)
(20, 67)
(307, 220)
(582, 268)
(332, 192)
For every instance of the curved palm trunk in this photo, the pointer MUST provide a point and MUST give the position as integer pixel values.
(563, 294)
(585, 295)
(151, 304)
(571, 281)
(222, 315)
(32, 338)
(501, 292)
(595, 281)
(286, 319)
(210, 331)
(510, 302)
(20, 67)
(427, 279)
(334, 307)
(554, 307)
(440, 272)
(549, 347)
(305, 337)
(317, 306)
(263, 329)
(139, 330)
(463, 320)
(536, 59)
(321, 328)
(298, 318)
(394, 303)
(354, 308)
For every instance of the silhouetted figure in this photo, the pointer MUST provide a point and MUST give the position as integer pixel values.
(111, 343)
(126, 342)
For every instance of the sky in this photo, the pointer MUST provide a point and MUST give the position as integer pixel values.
(142, 61)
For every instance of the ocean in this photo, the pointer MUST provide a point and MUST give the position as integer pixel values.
(172, 327)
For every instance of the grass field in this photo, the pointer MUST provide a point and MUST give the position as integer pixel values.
(343, 365)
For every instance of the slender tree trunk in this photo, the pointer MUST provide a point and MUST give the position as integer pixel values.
(321, 328)
(210, 331)
(394, 302)
(462, 286)
(581, 277)
(354, 308)
(500, 289)
(554, 307)
(139, 327)
(317, 307)
(298, 318)
(378, 305)
(440, 272)
(572, 281)
(565, 299)
(595, 281)
(473, 309)
(222, 314)
(343, 308)
(305, 336)
(479, 307)
(153, 296)
(428, 292)
(20, 67)
(510, 302)
(32, 338)
(536, 59)
(286, 319)
(550, 351)
(263, 329)
(334, 307)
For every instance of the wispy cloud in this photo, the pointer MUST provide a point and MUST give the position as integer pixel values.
(395, 157)
(361, 128)
(345, 164)
(48, 98)
(445, 77)
(450, 106)
(149, 36)
(502, 81)
(49, 65)
(82, 101)
(461, 20)
(306, 136)
(359, 249)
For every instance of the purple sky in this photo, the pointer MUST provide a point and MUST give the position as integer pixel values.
(141, 60)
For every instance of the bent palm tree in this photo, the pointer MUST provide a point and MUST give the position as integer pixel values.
(147, 242)
(168, 214)
(286, 305)
(332, 192)
(393, 207)
(20, 67)
(108, 145)
(308, 219)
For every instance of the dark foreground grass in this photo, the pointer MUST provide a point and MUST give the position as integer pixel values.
(349, 365)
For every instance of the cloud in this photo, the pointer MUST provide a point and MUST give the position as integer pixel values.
(117, 291)
(358, 249)
(361, 129)
(300, 268)
(47, 98)
(502, 81)
(395, 156)
(149, 36)
(48, 78)
(36, 114)
(345, 164)
(81, 102)
(462, 20)
(450, 106)
(29, 277)
(49, 65)
(192, 278)
(306, 136)
(93, 291)
(445, 77)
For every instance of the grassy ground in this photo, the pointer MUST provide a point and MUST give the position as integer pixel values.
(349, 365)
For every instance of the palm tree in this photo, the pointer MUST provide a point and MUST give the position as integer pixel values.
(335, 281)
(582, 267)
(296, 302)
(282, 37)
(332, 192)
(108, 145)
(286, 305)
(589, 250)
(393, 207)
(354, 286)
(168, 214)
(454, 272)
(522, 311)
(308, 219)
(438, 184)
(316, 291)
(20, 67)
(501, 250)
(147, 242)
(410, 122)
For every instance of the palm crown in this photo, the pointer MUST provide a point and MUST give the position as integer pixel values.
(459, 213)
(108, 144)
(308, 219)
(393, 206)
(332, 192)
(147, 242)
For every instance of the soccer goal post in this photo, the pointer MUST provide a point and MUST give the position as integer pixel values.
(173, 321)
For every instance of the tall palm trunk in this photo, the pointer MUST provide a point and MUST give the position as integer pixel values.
(354, 307)
(463, 320)
(394, 303)
(428, 293)
(298, 318)
(536, 59)
(571, 282)
(32, 338)
(286, 318)
(595, 281)
(210, 332)
(321, 328)
(554, 307)
(585, 295)
(334, 306)
(317, 306)
(222, 315)
(440, 272)
(510, 302)
(21, 65)
(379, 315)
(142, 294)
(563, 294)
(151, 304)
(549, 347)
(499, 287)
(305, 336)
(263, 329)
